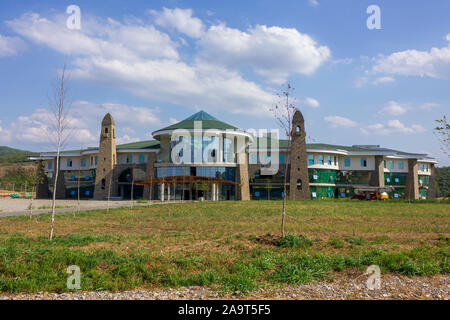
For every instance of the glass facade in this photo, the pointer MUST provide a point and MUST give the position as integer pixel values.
(353, 177)
(223, 173)
(394, 179)
(321, 176)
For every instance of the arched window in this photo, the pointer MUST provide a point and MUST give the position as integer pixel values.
(298, 129)
(106, 130)
(299, 184)
(103, 184)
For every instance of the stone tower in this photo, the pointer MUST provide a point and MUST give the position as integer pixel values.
(299, 181)
(107, 159)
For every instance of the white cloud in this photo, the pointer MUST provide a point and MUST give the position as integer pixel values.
(10, 46)
(36, 129)
(380, 80)
(448, 37)
(392, 127)
(143, 60)
(272, 52)
(181, 20)
(394, 108)
(108, 39)
(338, 121)
(313, 3)
(429, 105)
(434, 63)
(127, 139)
(311, 102)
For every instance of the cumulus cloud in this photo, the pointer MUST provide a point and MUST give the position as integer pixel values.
(179, 19)
(311, 102)
(429, 105)
(394, 108)
(381, 80)
(434, 63)
(10, 46)
(272, 52)
(392, 127)
(37, 129)
(143, 60)
(338, 121)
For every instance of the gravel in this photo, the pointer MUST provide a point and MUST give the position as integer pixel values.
(344, 286)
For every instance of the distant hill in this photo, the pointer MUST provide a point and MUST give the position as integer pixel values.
(13, 156)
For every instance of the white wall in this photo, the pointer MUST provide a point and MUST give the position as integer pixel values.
(355, 163)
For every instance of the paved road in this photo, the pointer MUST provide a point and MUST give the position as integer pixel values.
(18, 207)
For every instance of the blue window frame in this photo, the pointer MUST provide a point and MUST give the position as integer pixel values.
(400, 164)
(391, 164)
(83, 162)
(129, 158)
(347, 162)
(320, 158)
(69, 163)
(50, 165)
(310, 159)
(363, 162)
(421, 167)
(281, 158)
(329, 160)
(141, 158)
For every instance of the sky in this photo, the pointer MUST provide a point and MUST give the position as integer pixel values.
(152, 63)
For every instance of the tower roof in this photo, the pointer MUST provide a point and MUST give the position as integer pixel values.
(207, 121)
(108, 120)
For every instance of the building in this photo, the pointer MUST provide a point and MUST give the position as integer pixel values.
(203, 158)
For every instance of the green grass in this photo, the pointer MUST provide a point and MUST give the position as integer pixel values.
(228, 246)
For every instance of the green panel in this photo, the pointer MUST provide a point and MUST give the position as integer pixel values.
(394, 179)
(322, 176)
(423, 193)
(425, 180)
(400, 192)
(353, 177)
(320, 192)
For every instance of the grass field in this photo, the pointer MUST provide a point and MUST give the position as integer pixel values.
(228, 246)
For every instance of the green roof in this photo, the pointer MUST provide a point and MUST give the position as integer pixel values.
(207, 122)
(149, 144)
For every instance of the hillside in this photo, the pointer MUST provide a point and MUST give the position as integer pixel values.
(13, 156)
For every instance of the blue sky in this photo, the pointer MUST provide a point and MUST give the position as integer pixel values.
(151, 63)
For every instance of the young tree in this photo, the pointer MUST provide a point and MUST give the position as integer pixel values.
(59, 107)
(442, 131)
(283, 112)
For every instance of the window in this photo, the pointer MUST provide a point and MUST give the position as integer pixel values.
(329, 160)
(281, 158)
(363, 162)
(69, 163)
(384, 163)
(96, 160)
(347, 162)
(141, 158)
(391, 164)
(299, 184)
(106, 130)
(400, 164)
(83, 162)
(310, 159)
(92, 161)
(320, 158)
(335, 160)
(103, 183)
(129, 158)
(421, 167)
(50, 165)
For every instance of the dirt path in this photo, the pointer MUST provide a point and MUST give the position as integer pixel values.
(344, 286)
